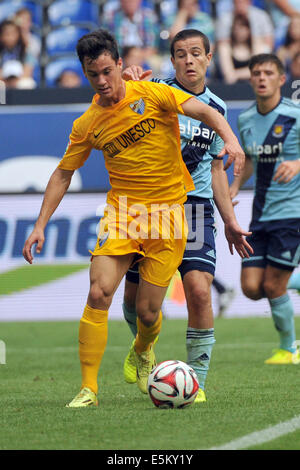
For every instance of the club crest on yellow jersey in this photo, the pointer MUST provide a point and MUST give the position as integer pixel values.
(138, 106)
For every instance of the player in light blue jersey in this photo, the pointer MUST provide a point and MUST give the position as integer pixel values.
(203, 155)
(200, 146)
(270, 134)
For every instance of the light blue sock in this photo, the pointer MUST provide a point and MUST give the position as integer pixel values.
(130, 317)
(283, 318)
(294, 281)
(199, 344)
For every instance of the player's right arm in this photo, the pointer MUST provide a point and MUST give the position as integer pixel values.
(77, 151)
(241, 179)
(55, 191)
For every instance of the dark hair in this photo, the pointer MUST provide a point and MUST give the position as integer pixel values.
(264, 58)
(242, 19)
(20, 47)
(93, 44)
(190, 33)
(288, 37)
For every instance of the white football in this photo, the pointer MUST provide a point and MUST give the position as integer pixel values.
(173, 384)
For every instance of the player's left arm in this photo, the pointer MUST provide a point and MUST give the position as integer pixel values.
(287, 170)
(235, 235)
(212, 118)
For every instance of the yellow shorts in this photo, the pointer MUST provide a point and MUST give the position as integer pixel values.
(158, 237)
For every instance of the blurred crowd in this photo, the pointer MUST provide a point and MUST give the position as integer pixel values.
(38, 37)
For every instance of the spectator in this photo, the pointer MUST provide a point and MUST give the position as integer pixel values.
(69, 79)
(189, 16)
(295, 67)
(13, 76)
(281, 12)
(12, 47)
(260, 23)
(133, 55)
(12, 71)
(133, 25)
(23, 18)
(183, 14)
(236, 52)
(291, 43)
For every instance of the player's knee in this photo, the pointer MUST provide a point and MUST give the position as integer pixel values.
(251, 290)
(100, 297)
(199, 296)
(147, 316)
(273, 289)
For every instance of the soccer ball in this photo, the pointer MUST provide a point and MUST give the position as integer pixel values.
(172, 384)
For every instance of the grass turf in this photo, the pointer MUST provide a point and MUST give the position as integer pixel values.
(42, 373)
(25, 277)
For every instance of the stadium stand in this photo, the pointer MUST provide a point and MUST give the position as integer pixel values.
(55, 68)
(75, 12)
(10, 7)
(63, 40)
(58, 24)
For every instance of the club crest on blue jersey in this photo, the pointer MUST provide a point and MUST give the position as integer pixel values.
(138, 106)
(278, 130)
(274, 139)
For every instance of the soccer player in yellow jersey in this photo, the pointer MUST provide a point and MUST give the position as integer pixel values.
(135, 125)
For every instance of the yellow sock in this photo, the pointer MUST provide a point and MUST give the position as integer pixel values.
(92, 342)
(146, 335)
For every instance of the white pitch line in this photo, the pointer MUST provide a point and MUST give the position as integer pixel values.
(260, 437)
(60, 349)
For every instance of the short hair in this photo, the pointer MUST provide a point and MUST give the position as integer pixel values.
(244, 21)
(97, 42)
(190, 33)
(264, 58)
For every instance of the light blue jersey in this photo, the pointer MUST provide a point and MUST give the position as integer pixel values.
(269, 140)
(199, 143)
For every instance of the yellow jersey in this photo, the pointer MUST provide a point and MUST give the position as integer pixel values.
(140, 140)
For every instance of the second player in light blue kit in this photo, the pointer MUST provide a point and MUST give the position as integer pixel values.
(203, 156)
(270, 133)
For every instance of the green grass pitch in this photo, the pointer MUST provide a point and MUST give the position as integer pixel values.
(25, 277)
(42, 374)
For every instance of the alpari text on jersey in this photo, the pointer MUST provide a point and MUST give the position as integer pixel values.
(265, 153)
